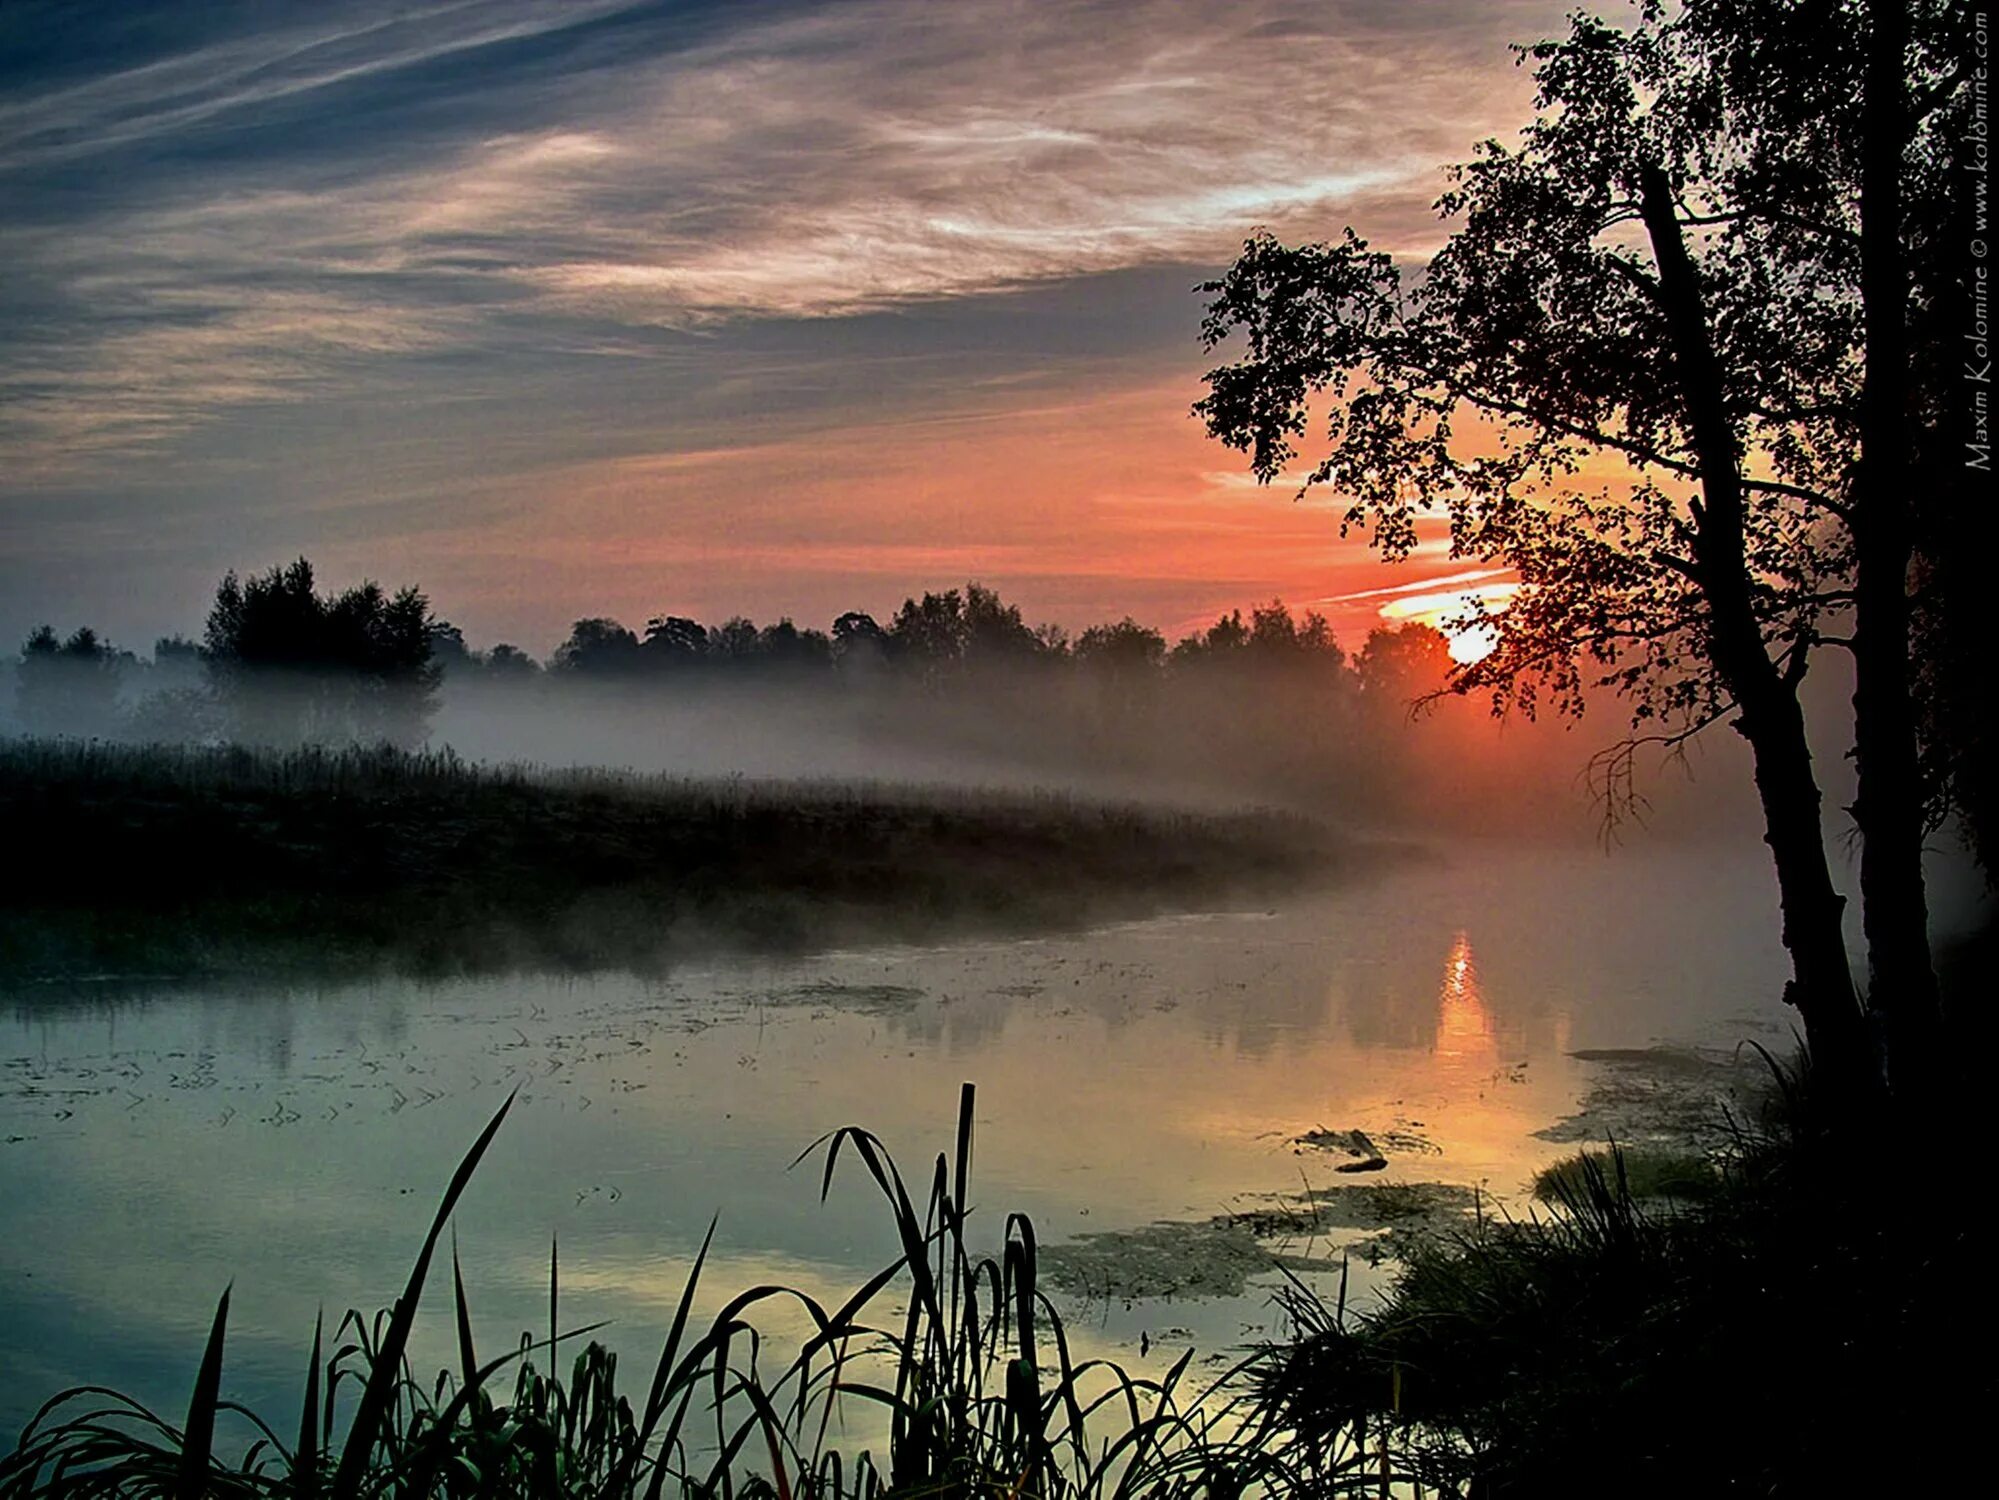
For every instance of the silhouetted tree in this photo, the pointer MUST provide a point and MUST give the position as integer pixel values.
(509, 663)
(734, 640)
(1217, 643)
(597, 647)
(859, 644)
(783, 647)
(674, 642)
(291, 664)
(448, 649)
(994, 632)
(1124, 650)
(929, 634)
(1401, 665)
(1696, 264)
(69, 686)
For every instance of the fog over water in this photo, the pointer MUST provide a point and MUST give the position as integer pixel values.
(161, 1140)
(294, 1137)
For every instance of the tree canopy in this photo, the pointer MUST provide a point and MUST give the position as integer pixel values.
(1662, 369)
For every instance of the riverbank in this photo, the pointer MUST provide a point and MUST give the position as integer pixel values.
(177, 861)
(1788, 1314)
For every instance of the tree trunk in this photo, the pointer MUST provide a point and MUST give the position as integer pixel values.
(1813, 935)
(1901, 987)
(1771, 718)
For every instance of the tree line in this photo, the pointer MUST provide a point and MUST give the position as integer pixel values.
(281, 661)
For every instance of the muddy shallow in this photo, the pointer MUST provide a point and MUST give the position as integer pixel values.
(1194, 1071)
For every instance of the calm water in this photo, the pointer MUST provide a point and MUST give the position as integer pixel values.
(160, 1145)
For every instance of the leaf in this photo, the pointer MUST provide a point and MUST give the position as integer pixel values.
(305, 1461)
(388, 1356)
(198, 1436)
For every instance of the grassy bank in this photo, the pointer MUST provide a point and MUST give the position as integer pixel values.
(1797, 1318)
(167, 861)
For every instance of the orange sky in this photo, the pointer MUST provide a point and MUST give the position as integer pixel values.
(1083, 509)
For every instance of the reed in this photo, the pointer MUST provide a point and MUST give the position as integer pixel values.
(1801, 1326)
(163, 861)
(974, 1375)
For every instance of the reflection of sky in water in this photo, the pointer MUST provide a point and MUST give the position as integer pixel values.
(158, 1145)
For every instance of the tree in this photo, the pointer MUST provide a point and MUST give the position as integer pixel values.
(995, 633)
(597, 647)
(929, 635)
(1640, 373)
(674, 641)
(449, 651)
(1857, 151)
(734, 640)
(1122, 651)
(1216, 644)
(1402, 665)
(509, 663)
(69, 686)
(291, 664)
(783, 647)
(859, 643)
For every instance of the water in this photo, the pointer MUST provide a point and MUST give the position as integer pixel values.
(158, 1145)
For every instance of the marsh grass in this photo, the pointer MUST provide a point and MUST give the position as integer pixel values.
(1647, 1172)
(973, 1372)
(174, 860)
(1794, 1331)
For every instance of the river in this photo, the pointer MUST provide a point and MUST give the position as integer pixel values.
(161, 1142)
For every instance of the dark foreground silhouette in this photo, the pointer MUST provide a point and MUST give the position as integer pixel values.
(167, 861)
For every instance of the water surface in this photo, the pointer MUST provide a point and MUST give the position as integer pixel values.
(161, 1143)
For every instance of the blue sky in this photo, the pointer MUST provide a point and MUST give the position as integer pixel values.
(601, 307)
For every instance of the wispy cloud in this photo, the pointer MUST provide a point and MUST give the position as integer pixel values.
(797, 164)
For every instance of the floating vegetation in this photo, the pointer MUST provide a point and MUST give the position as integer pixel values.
(1219, 1257)
(1216, 1257)
(1662, 1095)
(1366, 1152)
(862, 999)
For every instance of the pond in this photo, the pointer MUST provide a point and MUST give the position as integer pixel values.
(163, 1142)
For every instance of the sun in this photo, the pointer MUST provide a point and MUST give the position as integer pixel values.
(1454, 613)
(1472, 643)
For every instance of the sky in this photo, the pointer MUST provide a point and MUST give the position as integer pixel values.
(579, 307)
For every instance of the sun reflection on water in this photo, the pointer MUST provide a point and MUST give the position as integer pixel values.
(1464, 1025)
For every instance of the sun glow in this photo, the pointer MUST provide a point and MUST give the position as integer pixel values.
(1457, 613)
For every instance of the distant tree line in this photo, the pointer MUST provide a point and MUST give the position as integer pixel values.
(280, 661)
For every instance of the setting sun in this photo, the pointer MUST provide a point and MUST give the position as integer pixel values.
(1456, 614)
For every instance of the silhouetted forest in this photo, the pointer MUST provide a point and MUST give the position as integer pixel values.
(1263, 704)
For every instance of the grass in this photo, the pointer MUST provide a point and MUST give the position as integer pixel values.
(1646, 1172)
(1809, 1326)
(160, 861)
(973, 1372)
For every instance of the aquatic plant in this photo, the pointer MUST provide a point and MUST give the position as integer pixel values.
(1647, 1172)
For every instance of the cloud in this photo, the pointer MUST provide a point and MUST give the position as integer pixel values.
(794, 164)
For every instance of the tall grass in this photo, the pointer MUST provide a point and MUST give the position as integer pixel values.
(167, 860)
(974, 1375)
(359, 770)
(1808, 1326)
